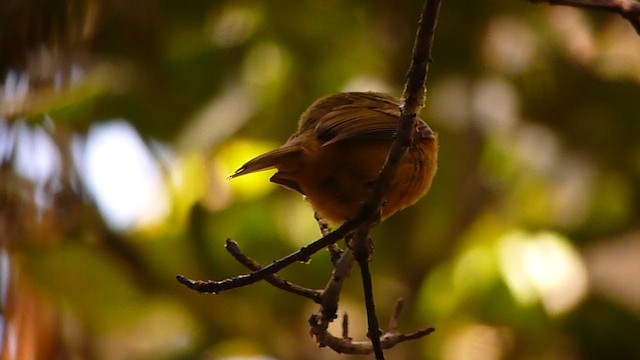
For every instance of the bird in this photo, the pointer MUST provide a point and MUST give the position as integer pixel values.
(338, 150)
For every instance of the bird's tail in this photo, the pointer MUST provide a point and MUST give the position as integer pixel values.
(278, 158)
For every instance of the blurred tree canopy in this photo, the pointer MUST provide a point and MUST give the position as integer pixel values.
(120, 121)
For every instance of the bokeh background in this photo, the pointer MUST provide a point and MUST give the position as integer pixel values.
(121, 120)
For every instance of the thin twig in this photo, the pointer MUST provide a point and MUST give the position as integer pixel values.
(391, 339)
(361, 254)
(422, 56)
(343, 263)
(325, 229)
(232, 247)
(628, 9)
(331, 292)
(214, 287)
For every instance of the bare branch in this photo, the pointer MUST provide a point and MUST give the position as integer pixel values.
(413, 101)
(391, 339)
(214, 287)
(325, 229)
(275, 280)
(628, 9)
(331, 293)
(363, 248)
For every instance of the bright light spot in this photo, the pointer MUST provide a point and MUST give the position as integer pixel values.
(161, 328)
(237, 349)
(543, 267)
(232, 155)
(536, 146)
(572, 191)
(495, 105)
(235, 25)
(11, 349)
(37, 159)
(76, 74)
(367, 83)
(2, 321)
(615, 53)
(614, 271)
(450, 101)
(250, 357)
(7, 140)
(217, 120)
(620, 54)
(478, 342)
(123, 177)
(474, 271)
(446, 303)
(188, 180)
(266, 64)
(5, 271)
(14, 91)
(510, 45)
(572, 28)
(295, 220)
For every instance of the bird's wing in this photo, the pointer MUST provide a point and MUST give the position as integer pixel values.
(363, 118)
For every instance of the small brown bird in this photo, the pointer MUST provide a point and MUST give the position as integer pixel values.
(340, 147)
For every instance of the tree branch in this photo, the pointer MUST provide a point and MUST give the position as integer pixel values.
(232, 247)
(362, 255)
(214, 287)
(413, 100)
(331, 292)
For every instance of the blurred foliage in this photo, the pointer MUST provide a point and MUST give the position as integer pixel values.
(120, 121)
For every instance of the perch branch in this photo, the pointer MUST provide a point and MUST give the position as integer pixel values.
(232, 247)
(363, 248)
(331, 292)
(412, 101)
(628, 9)
(214, 287)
